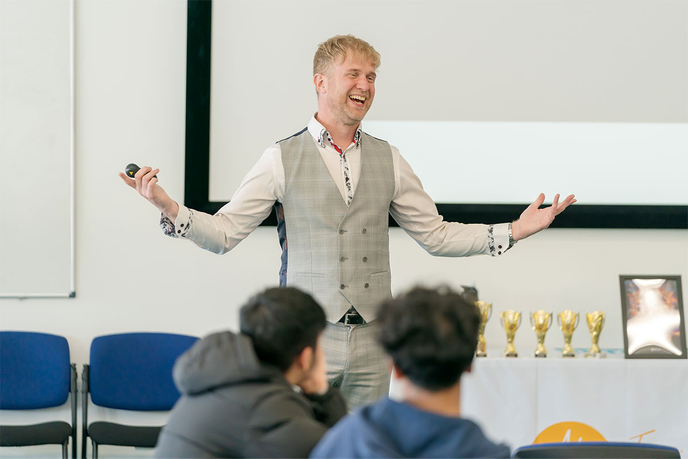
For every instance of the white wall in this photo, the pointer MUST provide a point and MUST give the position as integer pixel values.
(130, 70)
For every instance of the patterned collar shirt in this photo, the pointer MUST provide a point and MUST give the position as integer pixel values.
(411, 207)
(343, 162)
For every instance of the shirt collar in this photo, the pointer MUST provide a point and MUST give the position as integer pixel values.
(320, 134)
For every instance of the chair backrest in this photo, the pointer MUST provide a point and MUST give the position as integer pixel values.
(34, 370)
(596, 449)
(133, 371)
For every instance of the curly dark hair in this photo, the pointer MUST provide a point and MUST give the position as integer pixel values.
(281, 323)
(430, 334)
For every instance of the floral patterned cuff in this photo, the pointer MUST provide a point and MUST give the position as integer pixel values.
(167, 226)
(490, 240)
(498, 239)
(182, 226)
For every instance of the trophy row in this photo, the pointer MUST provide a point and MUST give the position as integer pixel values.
(541, 321)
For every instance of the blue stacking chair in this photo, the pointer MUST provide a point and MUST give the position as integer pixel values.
(130, 371)
(596, 449)
(35, 373)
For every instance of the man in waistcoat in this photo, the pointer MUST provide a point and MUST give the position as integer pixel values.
(333, 186)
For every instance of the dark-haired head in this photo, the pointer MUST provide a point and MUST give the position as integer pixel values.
(282, 322)
(430, 334)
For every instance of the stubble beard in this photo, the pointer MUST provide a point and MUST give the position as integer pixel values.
(350, 117)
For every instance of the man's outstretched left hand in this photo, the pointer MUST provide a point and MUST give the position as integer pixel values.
(534, 219)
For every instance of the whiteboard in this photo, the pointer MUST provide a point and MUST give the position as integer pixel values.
(36, 148)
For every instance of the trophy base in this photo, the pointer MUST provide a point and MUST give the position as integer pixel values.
(568, 356)
(540, 356)
(510, 354)
(481, 354)
(596, 355)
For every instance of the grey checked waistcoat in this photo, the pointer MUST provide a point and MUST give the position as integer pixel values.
(337, 253)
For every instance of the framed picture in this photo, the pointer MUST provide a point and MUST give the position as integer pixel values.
(653, 320)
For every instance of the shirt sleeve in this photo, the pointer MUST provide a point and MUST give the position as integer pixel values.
(415, 212)
(250, 205)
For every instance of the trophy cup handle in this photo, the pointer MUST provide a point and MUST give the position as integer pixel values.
(520, 316)
(489, 314)
(549, 322)
(559, 320)
(532, 322)
(577, 320)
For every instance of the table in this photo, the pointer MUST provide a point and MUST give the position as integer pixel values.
(517, 399)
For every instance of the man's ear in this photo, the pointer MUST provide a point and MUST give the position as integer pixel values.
(304, 360)
(320, 83)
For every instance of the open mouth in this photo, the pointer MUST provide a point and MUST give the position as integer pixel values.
(358, 100)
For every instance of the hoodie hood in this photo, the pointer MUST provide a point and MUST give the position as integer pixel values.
(393, 429)
(218, 360)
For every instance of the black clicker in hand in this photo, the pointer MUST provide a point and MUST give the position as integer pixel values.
(132, 169)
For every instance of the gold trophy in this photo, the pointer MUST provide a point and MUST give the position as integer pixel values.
(485, 314)
(568, 321)
(595, 324)
(540, 321)
(510, 321)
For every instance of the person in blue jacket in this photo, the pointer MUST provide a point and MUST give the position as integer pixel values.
(431, 337)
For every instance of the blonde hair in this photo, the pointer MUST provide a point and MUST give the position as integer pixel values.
(336, 48)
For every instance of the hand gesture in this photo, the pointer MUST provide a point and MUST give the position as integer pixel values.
(147, 186)
(534, 219)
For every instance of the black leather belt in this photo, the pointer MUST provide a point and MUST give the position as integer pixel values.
(352, 317)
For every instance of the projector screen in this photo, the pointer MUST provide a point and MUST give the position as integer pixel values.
(491, 102)
(602, 163)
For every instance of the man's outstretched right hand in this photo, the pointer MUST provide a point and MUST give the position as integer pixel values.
(147, 186)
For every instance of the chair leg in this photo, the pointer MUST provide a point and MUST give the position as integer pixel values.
(65, 448)
(94, 445)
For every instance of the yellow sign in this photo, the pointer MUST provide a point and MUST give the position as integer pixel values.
(568, 432)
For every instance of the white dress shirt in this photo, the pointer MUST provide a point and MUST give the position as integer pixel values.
(411, 207)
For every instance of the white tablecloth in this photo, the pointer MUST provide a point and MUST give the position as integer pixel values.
(514, 400)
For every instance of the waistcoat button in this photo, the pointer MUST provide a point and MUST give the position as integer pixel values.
(341, 231)
(365, 259)
(342, 286)
(342, 258)
(367, 285)
(364, 231)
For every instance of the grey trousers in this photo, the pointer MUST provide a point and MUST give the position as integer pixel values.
(356, 363)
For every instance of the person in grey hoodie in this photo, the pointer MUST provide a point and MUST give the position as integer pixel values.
(431, 337)
(260, 393)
